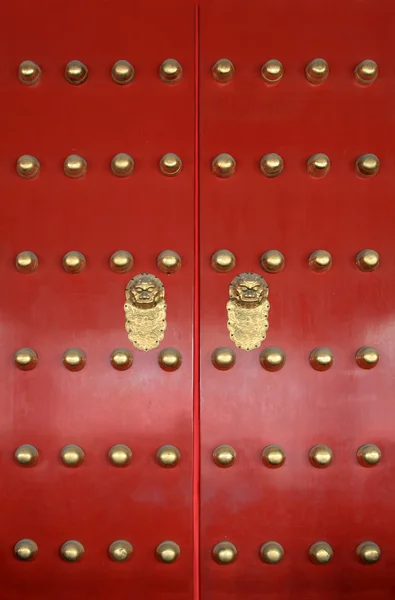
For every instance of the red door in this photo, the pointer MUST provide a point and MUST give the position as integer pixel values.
(51, 310)
(338, 502)
(197, 267)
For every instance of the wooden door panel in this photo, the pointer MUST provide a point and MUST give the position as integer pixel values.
(50, 310)
(343, 308)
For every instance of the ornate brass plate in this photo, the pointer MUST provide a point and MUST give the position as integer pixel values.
(145, 311)
(248, 310)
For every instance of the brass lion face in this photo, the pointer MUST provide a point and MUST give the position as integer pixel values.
(145, 291)
(248, 290)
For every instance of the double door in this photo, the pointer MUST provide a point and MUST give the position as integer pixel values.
(197, 264)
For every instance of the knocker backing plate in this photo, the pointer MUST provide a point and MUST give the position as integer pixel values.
(248, 310)
(145, 311)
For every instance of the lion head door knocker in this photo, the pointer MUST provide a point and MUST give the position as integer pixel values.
(248, 310)
(145, 311)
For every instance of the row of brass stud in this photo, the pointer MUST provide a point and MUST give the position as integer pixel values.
(273, 358)
(320, 553)
(74, 359)
(119, 455)
(119, 551)
(169, 261)
(75, 166)
(320, 456)
(273, 261)
(223, 165)
(272, 165)
(76, 72)
(273, 456)
(316, 71)
(120, 261)
(223, 71)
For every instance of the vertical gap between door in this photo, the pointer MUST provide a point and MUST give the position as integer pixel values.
(196, 336)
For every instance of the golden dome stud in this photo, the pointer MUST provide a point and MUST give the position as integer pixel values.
(224, 456)
(272, 553)
(72, 455)
(223, 70)
(367, 165)
(223, 261)
(72, 551)
(223, 165)
(271, 165)
(170, 164)
(318, 165)
(25, 549)
(223, 358)
(120, 455)
(120, 551)
(170, 71)
(367, 357)
(28, 166)
(74, 359)
(25, 359)
(368, 553)
(320, 261)
(367, 260)
(76, 72)
(366, 72)
(224, 553)
(273, 456)
(26, 455)
(321, 359)
(121, 261)
(272, 261)
(272, 358)
(122, 72)
(26, 262)
(321, 456)
(75, 166)
(168, 551)
(74, 262)
(29, 73)
(121, 359)
(317, 71)
(321, 553)
(168, 456)
(169, 261)
(169, 359)
(272, 71)
(368, 455)
(122, 165)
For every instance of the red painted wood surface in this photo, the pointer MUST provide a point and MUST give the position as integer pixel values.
(246, 407)
(343, 308)
(50, 310)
